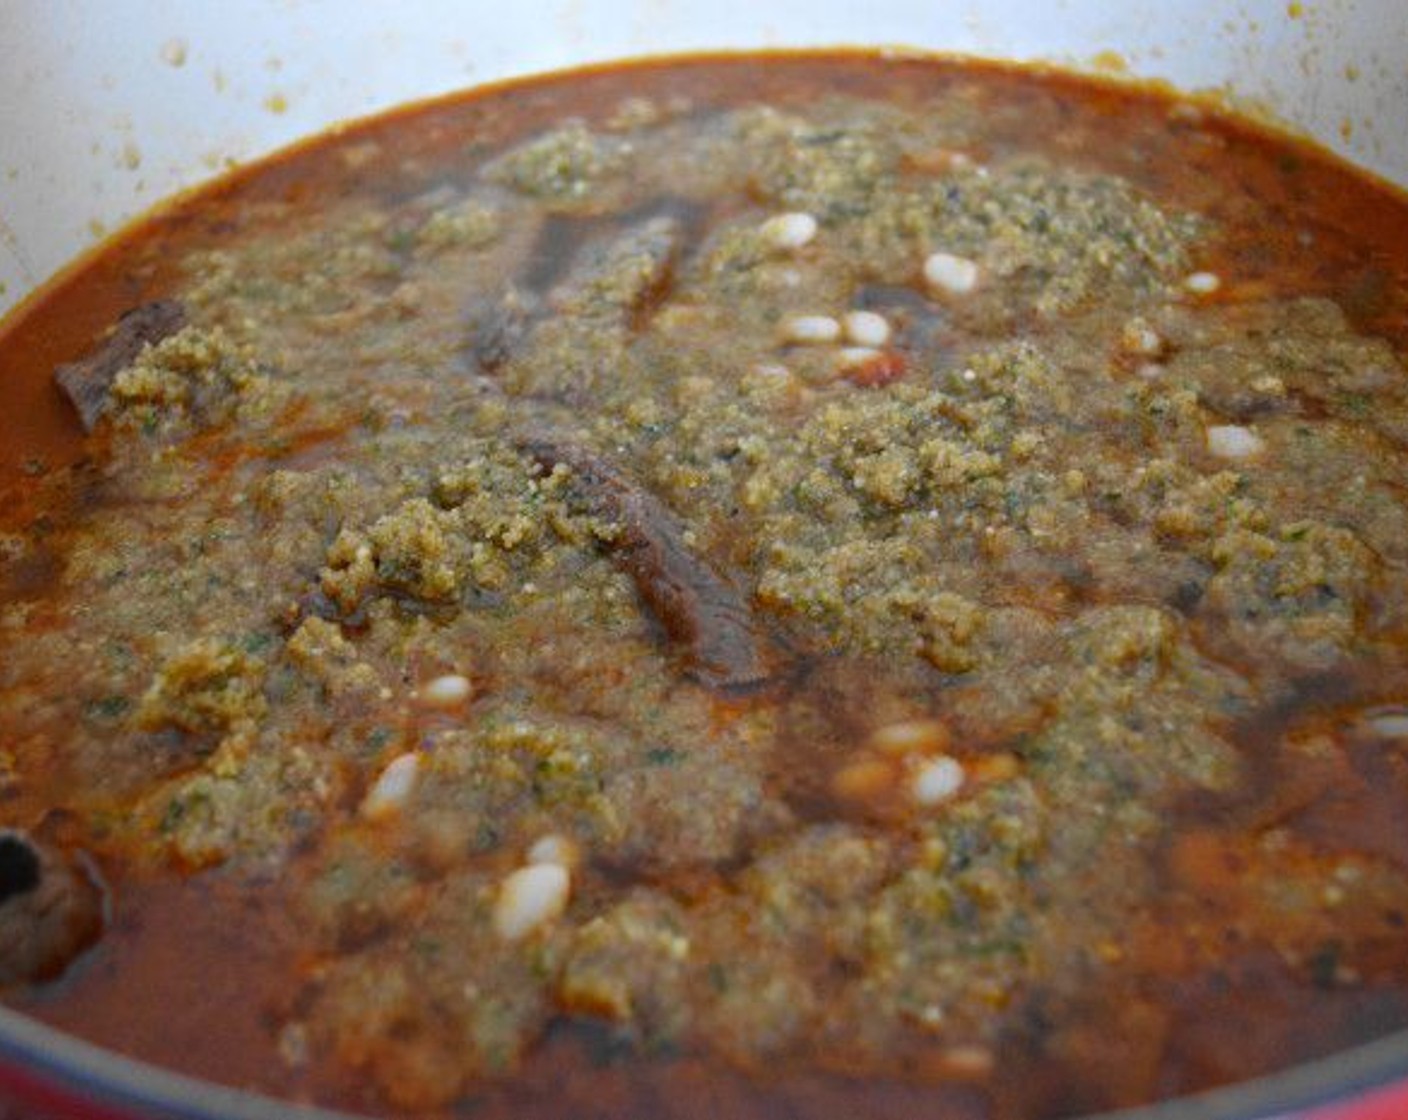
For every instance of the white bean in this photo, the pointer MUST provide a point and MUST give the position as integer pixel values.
(811, 329)
(529, 898)
(866, 328)
(1391, 723)
(449, 691)
(936, 780)
(948, 273)
(789, 231)
(1203, 283)
(392, 788)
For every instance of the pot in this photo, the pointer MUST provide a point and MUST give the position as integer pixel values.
(111, 107)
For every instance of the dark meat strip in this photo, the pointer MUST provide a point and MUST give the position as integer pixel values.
(622, 274)
(51, 909)
(86, 382)
(701, 611)
(613, 277)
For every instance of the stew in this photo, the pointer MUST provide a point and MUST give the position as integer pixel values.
(779, 585)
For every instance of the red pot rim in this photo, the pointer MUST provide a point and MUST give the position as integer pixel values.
(61, 1076)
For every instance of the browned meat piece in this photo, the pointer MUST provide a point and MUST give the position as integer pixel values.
(50, 910)
(86, 382)
(606, 280)
(701, 611)
(623, 273)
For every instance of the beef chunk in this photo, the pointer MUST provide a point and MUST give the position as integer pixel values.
(86, 382)
(51, 909)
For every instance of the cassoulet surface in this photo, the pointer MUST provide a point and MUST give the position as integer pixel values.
(805, 585)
